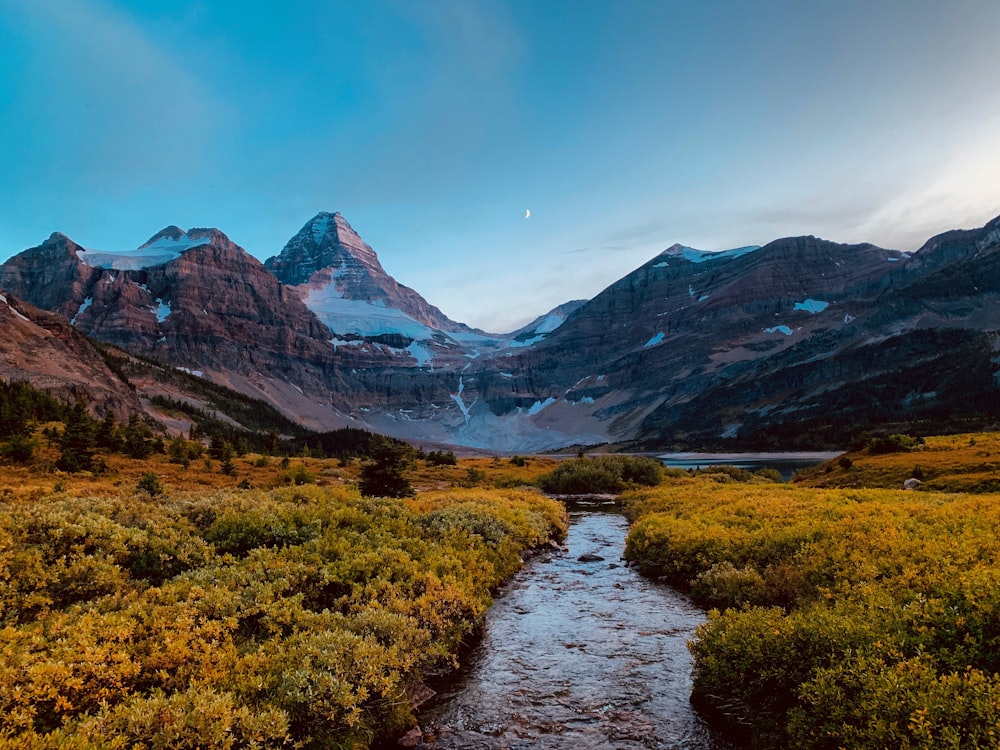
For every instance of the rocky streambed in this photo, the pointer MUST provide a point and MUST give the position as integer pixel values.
(579, 652)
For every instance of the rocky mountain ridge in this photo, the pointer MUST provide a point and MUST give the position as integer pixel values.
(692, 349)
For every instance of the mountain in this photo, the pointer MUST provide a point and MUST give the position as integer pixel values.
(196, 301)
(800, 343)
(42, 348)
(340, 278)
(193, 300)
(543, 325)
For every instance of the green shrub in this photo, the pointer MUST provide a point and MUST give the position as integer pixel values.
(601, 475)
(896, 443)
(20, 449)
(441, 458)
(298, 475)
(294, 618)
(853, 618)
(150, 483)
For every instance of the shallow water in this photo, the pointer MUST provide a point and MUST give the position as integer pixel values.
(577, 655)
(787, 463)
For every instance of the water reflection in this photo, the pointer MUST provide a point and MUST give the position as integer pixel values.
(787, 463)
(577, 654)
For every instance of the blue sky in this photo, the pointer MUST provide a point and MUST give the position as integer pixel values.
(432, 125)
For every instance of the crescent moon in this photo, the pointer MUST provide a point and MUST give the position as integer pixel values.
(527, 213)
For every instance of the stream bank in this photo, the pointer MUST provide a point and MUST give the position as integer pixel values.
(579, 652)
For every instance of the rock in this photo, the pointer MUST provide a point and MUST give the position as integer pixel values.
(589, 557)
(419, 693)
(912, 483)
(412, 738)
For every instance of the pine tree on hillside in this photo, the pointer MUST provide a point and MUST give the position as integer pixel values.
(382, 472)
(77, 441)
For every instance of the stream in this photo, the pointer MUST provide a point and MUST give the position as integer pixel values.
(577, 655)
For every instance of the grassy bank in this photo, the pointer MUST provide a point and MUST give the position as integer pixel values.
(845, 618)
(302, 616)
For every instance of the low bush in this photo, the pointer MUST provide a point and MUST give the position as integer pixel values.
(601, 475)
(896, 443)
(848, 618)
(301, 617)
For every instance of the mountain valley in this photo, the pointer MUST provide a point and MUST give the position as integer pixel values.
(799, 343)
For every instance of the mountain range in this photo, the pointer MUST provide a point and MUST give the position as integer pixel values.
(799, 343)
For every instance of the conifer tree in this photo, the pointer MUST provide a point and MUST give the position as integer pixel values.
(77, 441)
(382, 472)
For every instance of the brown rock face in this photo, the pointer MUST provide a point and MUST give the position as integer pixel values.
(197, 301)
(43, 349)
(50, 276)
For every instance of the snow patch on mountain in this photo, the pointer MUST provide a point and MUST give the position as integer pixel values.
(162, 310)
(515, 344)
(83, 307)
(161, 250)
(811, 306)
(360, 318)
(3, 299)
(319, 226)
(457, 398)
(421, 353)
(700, 256)
(539, 405)
(338, 342)
(550, 323)
(779, 329)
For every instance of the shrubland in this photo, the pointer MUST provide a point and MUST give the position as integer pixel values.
(950, 463)
(844, 618)
(296, 617)
(601, 475)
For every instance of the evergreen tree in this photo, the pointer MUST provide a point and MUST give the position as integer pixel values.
(382, 473)
(138, 438)
(109, 436)
(77, 441)
(20, 449)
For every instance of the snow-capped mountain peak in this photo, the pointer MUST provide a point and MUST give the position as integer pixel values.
(164, 246)
(327, 241)
(700, 256)
(340, 278)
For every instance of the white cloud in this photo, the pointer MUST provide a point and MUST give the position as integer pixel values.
(962, 194)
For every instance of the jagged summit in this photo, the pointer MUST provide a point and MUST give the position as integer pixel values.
(326, 241)
(340, 278)
(172, 232)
